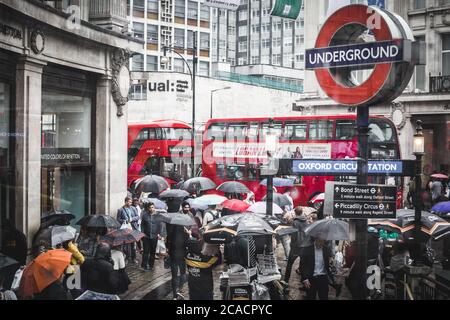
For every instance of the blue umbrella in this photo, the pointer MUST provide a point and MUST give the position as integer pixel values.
(441, 208)
(279, 182)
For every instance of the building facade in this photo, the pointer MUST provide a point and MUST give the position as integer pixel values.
(63, 87)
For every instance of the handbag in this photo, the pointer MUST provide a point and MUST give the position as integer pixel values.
(167, 262)
(126, 225)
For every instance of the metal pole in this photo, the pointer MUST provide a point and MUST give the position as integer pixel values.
(194, 68)
(269, 199)
(418, 206)
(210, 116)
(362, 120)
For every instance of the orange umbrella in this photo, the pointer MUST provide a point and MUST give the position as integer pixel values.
(43, 271)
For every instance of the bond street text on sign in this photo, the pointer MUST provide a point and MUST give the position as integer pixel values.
(355, 201)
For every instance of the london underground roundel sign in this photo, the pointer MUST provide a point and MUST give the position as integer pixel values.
(359, 37)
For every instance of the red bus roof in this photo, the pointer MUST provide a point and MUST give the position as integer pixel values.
(288, 118)
(160, 124)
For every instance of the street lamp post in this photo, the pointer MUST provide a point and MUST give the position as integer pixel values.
(418, 151)
(271, 146)
(212, 91)
(165, 60)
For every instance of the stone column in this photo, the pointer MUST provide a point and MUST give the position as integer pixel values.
(109, 14)
(28, 149)
(111, 151)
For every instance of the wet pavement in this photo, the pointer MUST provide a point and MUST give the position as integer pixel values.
(156, 284)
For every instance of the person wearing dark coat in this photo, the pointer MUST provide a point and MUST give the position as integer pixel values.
(13, 242)
(152, 227)
(97, 274)
(297, 239)
(55, 291)
(315, 270)
(176, 243)
(129, 214)
(200, 275)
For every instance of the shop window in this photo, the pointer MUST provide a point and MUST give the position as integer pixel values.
(446, 54)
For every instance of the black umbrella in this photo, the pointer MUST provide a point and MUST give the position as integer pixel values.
(177, 218)
(280, 199)
(329, 229)
(174, 193)
(122, 236)
(233, 187)
(56, 217)
(101, 221)
(151, 183)
(198, 184)
(6, 261)
(84, 220)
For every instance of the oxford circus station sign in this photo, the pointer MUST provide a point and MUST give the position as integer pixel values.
(358, 37)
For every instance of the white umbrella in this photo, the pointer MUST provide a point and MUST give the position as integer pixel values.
(62, 234)
(261, 207)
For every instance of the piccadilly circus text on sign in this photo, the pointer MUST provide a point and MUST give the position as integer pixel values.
(339, 51)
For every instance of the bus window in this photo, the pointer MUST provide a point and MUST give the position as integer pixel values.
(321, 129)
(345, 129)
(216, 131)
(236, 131)
(177, 133)
(151, 166)
(381, 131)
(265, 128)
(143, 135)
(152, 134)
(295, 130)
(159, 134)
(252, 131)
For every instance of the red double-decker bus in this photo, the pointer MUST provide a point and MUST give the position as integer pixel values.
(234, 149)
(161, 147)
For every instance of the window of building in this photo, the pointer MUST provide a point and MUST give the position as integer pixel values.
(204, 12)
(138, 30)
(276, 42)
(180, 7)
(192, 10)
(265, 43)
(152, 33)
(299, 39)
(299, 57)
(255, 28)
(266, 27)
(446, 54)
(203, 68)
(190, 39)
(276, 59)
(255, 59)
(255, 44)
(242, 61)
(287, 42)
(242, 31)
(321, 130)
(419, 78)
(276, 26)
(419, 4)
(152, 63)
(288, 25)
(255, 13)
(243, 46)
(178, 65)
(204, 41)
(243, 15)
(138, 5)
(137, 62)
(231, 30)
(152, 5)
(179, 38)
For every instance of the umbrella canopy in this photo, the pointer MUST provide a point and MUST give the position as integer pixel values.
(198, 184)
(318, 198)
(6, 261)
(209, 200)
(151, 183)
(439, 176)
(285, 230)
(43, 271)
(159, 204)
(431, 225)
(233, 187)
(56, 218)
(280, 199)
(122, 236)
(92, 295)
(101, 221)
(219, 235)
(329, 229)
(441, 208)
(178, 219)
(62, 234)
(261, 207)
(196, 204)
(279, 182)
(174, 193)
(235, 205)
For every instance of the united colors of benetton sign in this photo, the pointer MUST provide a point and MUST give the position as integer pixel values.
(355, 36)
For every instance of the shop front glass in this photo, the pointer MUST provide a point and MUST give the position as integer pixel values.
(5, 150)
(66, 152)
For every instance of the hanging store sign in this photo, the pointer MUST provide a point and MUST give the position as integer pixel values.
(358, 37)
(287, 9)
(223, 4)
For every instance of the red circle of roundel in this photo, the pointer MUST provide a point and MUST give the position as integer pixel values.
(353, 14)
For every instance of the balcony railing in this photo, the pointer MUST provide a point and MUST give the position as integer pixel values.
(439, 84)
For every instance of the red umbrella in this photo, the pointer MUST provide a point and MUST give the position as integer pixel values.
(235, 205)
(439, 176)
